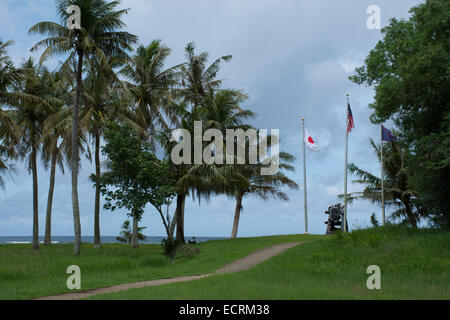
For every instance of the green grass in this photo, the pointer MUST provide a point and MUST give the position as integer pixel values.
(26, 274)
(414, 265)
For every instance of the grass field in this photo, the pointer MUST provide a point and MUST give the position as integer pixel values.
(414, 265)
(25, 274)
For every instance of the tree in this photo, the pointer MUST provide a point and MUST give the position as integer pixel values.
(197, 78)
(126, 235)
(105, 100)
(198, 82)
(10, 79)
(100, 37)
(135, 177)
(374, 221)
(54, 139)
(29, 116)
(6, 168)
(396, 184)
(409, 69)
(150, 89)
(262, 186)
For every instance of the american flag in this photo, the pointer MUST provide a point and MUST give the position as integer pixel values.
(350, 123)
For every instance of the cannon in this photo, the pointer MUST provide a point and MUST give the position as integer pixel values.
(335, 216)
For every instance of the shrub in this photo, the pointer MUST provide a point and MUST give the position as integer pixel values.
(170, 246)
(185, 252)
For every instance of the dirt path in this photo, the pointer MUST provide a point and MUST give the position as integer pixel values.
(236, 266)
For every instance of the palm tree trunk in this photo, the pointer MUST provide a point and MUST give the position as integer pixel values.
(173, 224)
(97, 239)
(237, 215)
(134, 238)
(35, 244)
(410, 214)
(75, 204)
(181, 201)
(48, 217)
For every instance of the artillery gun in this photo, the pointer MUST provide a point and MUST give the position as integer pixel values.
(335, 216)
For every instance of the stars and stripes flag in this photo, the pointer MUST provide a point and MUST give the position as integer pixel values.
(350, 126)
(350, 122)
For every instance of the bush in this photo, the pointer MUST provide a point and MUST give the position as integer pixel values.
(178, 250)
(170, 247)
(185, 252)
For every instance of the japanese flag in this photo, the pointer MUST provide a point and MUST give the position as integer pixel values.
(310, 143)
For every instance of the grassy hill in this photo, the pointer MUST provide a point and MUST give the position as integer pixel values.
(415, 264)
(26, 274)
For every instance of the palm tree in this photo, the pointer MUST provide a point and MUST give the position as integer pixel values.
(105, 100)
(197, 79)
(29, 117)
(54, 140)
(198, 82)
(219, 110)
(99, 37)
(52, 152)
(262, 186)
(185, 181)
(224, 110)
(6, 168)
(126, 235)
(10, 79)
(396, 183)
(151, 88)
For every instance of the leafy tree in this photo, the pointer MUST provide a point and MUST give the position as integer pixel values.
(99, 37)
(135, 177)
(126, 235)
(409, 69)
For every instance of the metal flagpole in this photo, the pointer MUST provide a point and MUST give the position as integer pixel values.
(304, 178)
(344, 223)
(382, 180)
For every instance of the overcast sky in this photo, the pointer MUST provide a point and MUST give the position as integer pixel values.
(292, 57)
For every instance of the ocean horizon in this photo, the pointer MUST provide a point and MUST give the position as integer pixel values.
(90, 239)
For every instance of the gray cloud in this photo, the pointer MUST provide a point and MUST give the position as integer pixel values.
(292, 57)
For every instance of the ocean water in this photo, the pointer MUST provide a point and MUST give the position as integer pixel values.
(90, 239)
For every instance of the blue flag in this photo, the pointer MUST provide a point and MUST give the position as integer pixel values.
(387, 136)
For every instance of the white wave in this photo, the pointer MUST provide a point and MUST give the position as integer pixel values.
(18, 242)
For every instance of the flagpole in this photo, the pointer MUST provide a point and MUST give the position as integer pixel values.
(344, 223)
(382, 179)
(304, 178)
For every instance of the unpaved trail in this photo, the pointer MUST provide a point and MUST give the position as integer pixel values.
(243, 264)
